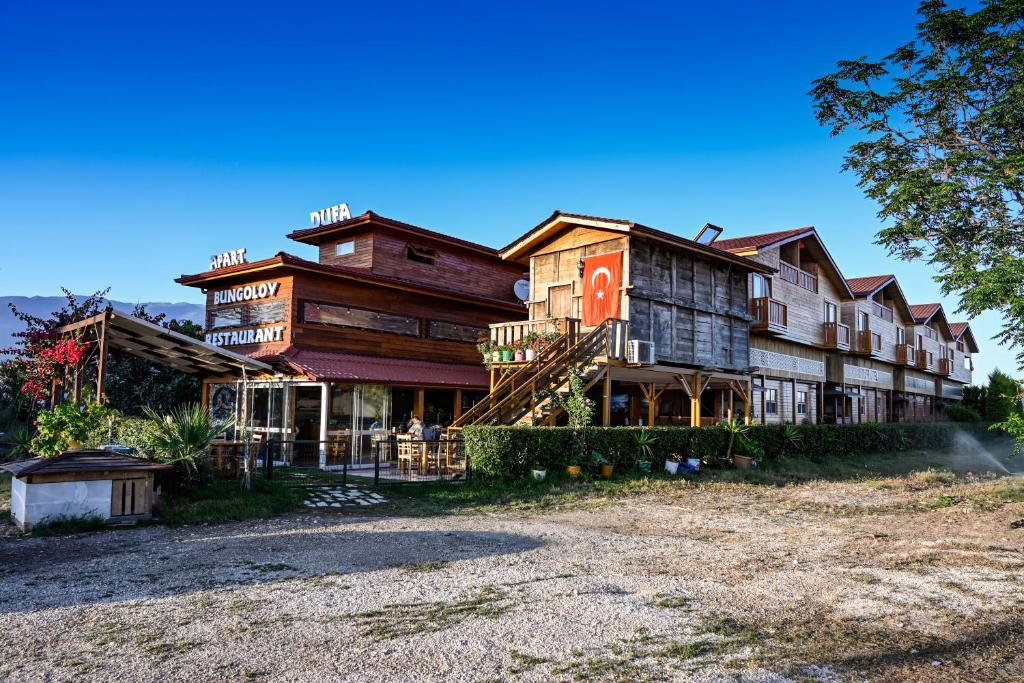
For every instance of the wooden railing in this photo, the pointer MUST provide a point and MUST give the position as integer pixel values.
(769, 315)
(868, 342)
(880, 311)
(801, 278)
(920, 359)
(945, 367)
(509, 333)
(837, 336)
(905, 354)
(517, 395)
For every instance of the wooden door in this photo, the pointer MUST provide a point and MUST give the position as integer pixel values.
(130, 497)
(560, 301)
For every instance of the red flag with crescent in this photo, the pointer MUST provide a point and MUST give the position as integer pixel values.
(602, 280)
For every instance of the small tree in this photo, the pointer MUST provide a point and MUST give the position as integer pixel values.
(182, 438)
(1001, 397)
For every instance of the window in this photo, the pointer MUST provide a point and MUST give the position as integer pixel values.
(901, 336)
(801, 403)
(876, 341)
(344, 316)
(771, 401)
(248, 314)
(420, 254)
(760, 286)
(967, 363)
(344, 248)
(931, 359)
(863, 321)
(960, 346)
(831, 312)
(440, 329)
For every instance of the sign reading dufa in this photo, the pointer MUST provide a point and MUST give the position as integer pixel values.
(332, 214)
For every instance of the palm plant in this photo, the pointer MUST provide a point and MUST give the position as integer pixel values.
(644, 439)
(791, 439)
(736, 430)
(183, 437)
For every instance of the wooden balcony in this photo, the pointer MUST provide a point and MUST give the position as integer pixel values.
(837, 336)
(800, 278)
(945, 367)
(905, 354)
(769, 315)
(920, 359)
(507, 334)
(867, 343)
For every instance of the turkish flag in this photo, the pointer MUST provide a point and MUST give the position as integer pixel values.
(602, 279)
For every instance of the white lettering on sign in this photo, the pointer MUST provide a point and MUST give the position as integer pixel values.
(263, 335)
(246, 293)
(332, 214)
(234, 257)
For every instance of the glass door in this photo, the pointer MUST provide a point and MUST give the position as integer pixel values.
(371, 420)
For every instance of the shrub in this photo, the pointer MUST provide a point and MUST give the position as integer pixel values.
(122, 430)
(56, 429)
(962, 413)
(506, 452)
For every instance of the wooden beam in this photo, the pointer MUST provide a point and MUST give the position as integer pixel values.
(457, 412)
(606, 406)
(746, 400)
(698, 386)
(418, 404)
(101, 360)
(794, 401)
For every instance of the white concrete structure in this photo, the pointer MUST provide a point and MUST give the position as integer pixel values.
(35, 503)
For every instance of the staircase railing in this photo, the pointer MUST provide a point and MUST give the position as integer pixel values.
(516, 396)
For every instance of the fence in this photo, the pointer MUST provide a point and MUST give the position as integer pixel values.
(393, 459)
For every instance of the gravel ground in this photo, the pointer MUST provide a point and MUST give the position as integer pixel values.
(730, 583)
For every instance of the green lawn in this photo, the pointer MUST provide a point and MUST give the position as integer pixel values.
(225, 501)
(5, 491)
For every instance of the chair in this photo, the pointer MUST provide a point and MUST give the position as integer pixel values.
(406, 452)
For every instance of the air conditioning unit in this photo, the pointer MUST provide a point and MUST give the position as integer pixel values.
(640, 352)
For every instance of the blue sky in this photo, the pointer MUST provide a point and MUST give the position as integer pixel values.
(138, 138)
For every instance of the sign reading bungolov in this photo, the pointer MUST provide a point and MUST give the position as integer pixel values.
(247, 293)
(263, 335)
(235, 257)
(332, 214)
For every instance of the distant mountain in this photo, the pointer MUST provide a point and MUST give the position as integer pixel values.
(43, 306)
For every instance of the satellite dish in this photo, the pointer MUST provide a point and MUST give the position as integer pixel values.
(522, 289)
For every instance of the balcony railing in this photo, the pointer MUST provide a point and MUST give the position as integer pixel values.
(837, 336)
(905, 354)
(920, 359)
(880, 311)
(868, 342)
(945, 367)
(506, 334)
(798, 277)
(769, 315)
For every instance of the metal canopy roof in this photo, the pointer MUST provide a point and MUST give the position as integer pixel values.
(146, 340)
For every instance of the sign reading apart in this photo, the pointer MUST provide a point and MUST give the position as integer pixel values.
(602, 279)
(263, 335)
(332, 214)
(234, 257)
(246, 293)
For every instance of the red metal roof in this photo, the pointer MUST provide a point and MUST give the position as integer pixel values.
(348, 367)
(923, 312)
(957, 329)
(864, 286)
(735, 244)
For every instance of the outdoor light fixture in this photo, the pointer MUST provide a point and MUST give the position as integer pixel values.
(580, 266)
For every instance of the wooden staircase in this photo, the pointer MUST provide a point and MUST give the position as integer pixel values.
(524, 396)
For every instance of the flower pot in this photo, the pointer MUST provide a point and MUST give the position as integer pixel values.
(530, 354)
(495, 356)
(693, 464)
(671, 466)
(644, 466)
(506, 356)
(540, 475)
(574, 471)
(742, 462)
(607, 470)
(520, 356)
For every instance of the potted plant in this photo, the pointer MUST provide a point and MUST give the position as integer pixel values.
(489, 351)
(741, 451)
(645, 452)
(602, 464)
(530, 342)
(506, 353)
(519, 350)
(539, 474)
(672, 463)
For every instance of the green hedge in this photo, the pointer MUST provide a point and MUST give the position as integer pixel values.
(513, 451)
(128, 431)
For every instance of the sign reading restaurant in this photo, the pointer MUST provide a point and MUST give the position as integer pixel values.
(263, 335)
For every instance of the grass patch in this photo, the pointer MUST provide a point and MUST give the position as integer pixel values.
(394, 621)
(64, 525)
(422, 566)
(225, 501)
(5, 490)
(671, 601)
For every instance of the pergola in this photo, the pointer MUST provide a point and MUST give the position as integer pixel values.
(113, 330)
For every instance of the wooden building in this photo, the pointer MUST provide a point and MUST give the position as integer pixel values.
(670, 346)
(382, 326)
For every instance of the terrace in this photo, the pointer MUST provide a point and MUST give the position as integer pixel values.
(770, 315)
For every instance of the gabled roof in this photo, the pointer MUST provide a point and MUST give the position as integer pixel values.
(750, 244)
(864, 287)
(317, 234)
(556, 220)
(764, 239)
(962, 331)
(286, 260)
(924, 312)
(91, 460)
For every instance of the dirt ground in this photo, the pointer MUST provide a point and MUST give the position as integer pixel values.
(912, 579)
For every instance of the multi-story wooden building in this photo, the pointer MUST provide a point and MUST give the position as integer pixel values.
(382, 326)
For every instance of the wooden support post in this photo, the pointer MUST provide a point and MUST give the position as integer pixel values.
(325, 419)
(650, 405)
(794, 402)
(819, 415)
(457, 412)
(77, 386)
(732, 402)
(746, 402)
(695, 401)
(204, 399)
(101, 360)
(606, 404)
(762, 400)
(418, 404)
